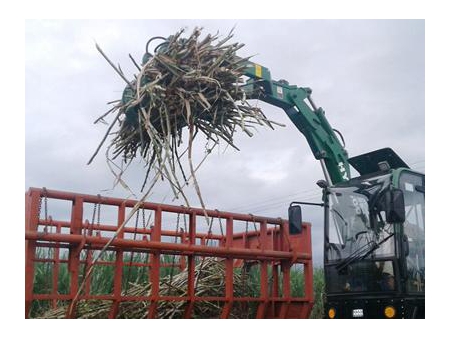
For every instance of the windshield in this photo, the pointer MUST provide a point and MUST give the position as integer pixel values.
(354, 234)
(352, 228)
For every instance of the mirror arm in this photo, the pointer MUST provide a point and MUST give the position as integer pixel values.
(295, 216)
(306, 203)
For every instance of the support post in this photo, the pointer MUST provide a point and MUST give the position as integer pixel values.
(191, 268)
(155, 261)
(76, 222)
(118, 267)
(262, 307)
(32, 199)
(228, 272)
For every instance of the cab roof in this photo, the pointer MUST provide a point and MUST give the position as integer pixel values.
(369, 163)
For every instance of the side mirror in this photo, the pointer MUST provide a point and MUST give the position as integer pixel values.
(295, 219)
(394, 205)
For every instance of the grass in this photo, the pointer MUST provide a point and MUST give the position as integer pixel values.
(319, 290)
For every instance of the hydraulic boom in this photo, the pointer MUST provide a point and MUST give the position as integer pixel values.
(309, 120)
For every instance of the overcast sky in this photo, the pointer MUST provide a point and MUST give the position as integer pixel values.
(368, 76)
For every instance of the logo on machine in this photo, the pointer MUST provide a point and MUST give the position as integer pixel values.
(343, 171)
(279, 92)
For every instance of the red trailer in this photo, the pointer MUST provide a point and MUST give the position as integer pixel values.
(82, 228)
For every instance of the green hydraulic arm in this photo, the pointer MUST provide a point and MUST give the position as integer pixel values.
(311, 122)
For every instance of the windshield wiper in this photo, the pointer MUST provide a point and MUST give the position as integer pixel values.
(361, 253)
(340, 216)
(338, 230)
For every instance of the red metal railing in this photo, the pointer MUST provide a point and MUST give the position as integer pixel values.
(75, 242)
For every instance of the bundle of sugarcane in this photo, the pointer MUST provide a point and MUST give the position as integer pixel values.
(210, 274)
(188, 83)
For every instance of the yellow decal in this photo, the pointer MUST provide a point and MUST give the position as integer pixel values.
(258, 71)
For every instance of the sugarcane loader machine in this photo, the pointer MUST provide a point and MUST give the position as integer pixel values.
(374, 240)
(374, 224)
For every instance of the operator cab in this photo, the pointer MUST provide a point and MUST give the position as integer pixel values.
(374, 247)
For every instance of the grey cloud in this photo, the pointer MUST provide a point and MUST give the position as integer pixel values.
(367, 75)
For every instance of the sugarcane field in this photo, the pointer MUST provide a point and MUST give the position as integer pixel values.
(197, 176)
